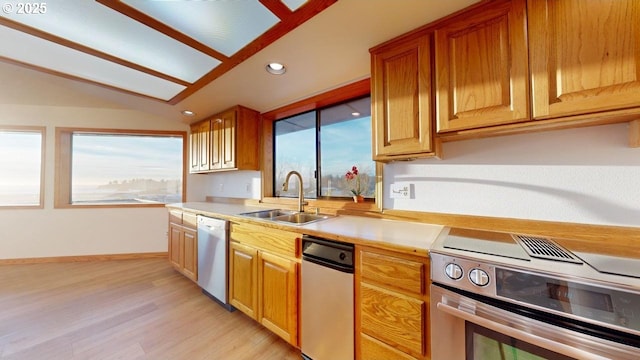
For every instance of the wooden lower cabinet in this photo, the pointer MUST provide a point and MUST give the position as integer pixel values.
(175, 245)
(392, 305)
(183, 243)
(375, 349)
(278, 289)
(243, 278)
(264, 268)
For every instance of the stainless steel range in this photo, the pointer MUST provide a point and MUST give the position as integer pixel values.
(509, 296)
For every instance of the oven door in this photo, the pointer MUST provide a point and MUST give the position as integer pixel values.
(464, 328)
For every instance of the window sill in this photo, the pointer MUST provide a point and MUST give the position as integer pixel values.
(331, 207)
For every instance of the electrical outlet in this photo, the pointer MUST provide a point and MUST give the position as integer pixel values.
(221, 187)
(400, 190)
(248, 188)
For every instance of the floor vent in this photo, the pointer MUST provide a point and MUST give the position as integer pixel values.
(544, 248)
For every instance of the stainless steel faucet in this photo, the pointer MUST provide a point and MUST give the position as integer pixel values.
(285, 187)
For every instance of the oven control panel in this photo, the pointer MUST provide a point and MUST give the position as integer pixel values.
(474, 276)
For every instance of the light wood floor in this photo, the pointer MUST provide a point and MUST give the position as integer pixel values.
(130, 309)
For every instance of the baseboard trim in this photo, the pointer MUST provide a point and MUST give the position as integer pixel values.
(84, 258)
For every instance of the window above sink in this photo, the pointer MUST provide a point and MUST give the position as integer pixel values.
(330, 205)
(323, 145)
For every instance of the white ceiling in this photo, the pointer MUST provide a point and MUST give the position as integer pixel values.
(325, 52)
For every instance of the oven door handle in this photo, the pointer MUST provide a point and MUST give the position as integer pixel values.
(519, 334)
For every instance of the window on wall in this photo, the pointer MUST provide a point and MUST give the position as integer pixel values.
(21, 178)
(323, 145)
(119, 168)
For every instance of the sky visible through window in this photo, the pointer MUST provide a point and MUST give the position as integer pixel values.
(110, 168)
(20, 168)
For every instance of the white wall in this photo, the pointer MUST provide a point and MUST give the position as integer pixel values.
(587, 175)
(53, 232)
(233, 184)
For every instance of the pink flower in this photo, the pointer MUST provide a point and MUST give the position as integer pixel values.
(354, 181)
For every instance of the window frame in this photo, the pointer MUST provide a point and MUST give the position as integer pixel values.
(317, 114)
(336, 96)
(62, 181)
(42, 130)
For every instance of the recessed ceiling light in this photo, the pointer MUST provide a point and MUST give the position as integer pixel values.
(188, 113)
(275, 68)
(355, 113)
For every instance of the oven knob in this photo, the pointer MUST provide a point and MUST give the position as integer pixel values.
(479, 277)
(453, 271)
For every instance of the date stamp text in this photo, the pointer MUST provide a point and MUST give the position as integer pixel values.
(24, 8)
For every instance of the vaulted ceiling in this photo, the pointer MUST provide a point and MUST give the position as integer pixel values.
(166, 56)
(165, 50)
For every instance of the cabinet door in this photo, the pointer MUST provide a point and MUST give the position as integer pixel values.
(215, 154)
(175, 245)
(194, 149)
(482, 69)
(278, 289)
(401, 98)
(199, 147)
(585, 56)
(243, 278)
(223, 141)
(228, 144)
(190, 251)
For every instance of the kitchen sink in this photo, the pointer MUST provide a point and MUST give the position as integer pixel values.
(300, 218)
(267, 214)
(286, 216)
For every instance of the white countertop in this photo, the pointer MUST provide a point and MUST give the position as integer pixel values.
(406, 236)
(393, 233)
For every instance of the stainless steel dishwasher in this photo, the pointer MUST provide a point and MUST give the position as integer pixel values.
(212, 258)
(327, 300)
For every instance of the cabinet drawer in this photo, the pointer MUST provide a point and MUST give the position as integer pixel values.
(189, 220)
(393, 271)
(374, 349)
(393, 318)
(280, 242)
(175, 216)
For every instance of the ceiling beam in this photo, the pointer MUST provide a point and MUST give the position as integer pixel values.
(277, 7)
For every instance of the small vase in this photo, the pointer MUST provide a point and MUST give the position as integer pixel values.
(358, 198)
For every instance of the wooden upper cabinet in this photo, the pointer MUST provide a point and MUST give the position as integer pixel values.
(401, 99)
(482, 68)
(223, 141)
(584, 56)
(230, 141)
(200, 146)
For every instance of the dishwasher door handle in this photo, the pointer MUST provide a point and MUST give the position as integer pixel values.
(328, 263)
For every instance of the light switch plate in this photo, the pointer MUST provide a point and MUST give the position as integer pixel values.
(400, 190)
